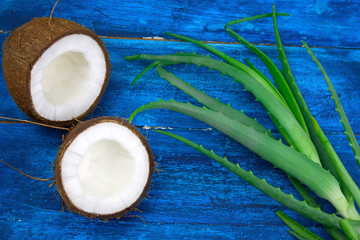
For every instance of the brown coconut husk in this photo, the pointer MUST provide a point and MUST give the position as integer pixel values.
(24, 47)
(70, 138)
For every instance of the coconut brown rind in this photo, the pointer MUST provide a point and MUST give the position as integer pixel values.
(66, 143)
(24, 47)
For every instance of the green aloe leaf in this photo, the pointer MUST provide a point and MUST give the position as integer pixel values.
(281, 156)
(296, 227)
(285, 121)
(256, 69)
(216, 105)
(211, 103)
(349, 230)
(287, 200)
(339, 108)
(246, 19)
(344, 175)
(324, 157)
(304, 193)
(275, 72)
(153, 64)
(263, 81)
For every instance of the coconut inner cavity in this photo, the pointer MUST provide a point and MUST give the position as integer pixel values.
(106, 169)
(68, 78)
(64, 78)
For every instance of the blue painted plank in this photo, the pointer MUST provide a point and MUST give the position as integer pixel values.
(329, 23)
(191, 192)
(192, 197)
(120, 99)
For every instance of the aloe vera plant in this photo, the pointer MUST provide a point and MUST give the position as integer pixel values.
(308, 157)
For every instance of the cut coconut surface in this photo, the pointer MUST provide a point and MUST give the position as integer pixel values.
(56, 71)
(103, 168)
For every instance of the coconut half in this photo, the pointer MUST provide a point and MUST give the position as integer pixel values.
(56, 71)
(103, 168)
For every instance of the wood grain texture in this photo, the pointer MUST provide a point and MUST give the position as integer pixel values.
(122, 100)
(192, 197)
(326, 23)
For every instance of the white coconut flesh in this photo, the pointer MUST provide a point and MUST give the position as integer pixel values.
(67, 78)
(105, 169)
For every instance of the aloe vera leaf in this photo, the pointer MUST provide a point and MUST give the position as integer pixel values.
(285, 121)
(256, 69)
(325, 160)
(246, 19)
(203, 98)
(216, 105)
(281, 156)
(324, 157)
(304, 193)
(299, 187)
(336, 234)
(195, 55)
(348, 131)
(278, 77)
(276, 122)
(276, 73)
(310, 200)
(296, 227)
(145, 70)
(340, 168)
(283, 198)
(211, 103)
(282, 55)
(287, 200)
(153, 64)
(263, 81)
(283, 133)
(162, 63)
(349, 230)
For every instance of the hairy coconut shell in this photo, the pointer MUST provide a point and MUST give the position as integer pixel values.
(24, 47)
(70, 138)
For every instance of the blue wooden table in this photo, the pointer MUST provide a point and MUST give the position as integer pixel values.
(191, 197)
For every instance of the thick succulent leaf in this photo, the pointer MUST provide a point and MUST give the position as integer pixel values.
(287, 200)
(281, 156)
(275, 72)
(263, 81)
(336, 234)
(325, 159)
(282, 55)
(246, 19)
(348, 131)
(153, 64)
(309, 199)
(256, 69)
(344, 175)
(285, 121)
(216, 105)
(349, 230)
(211, 103)
(296, 227)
